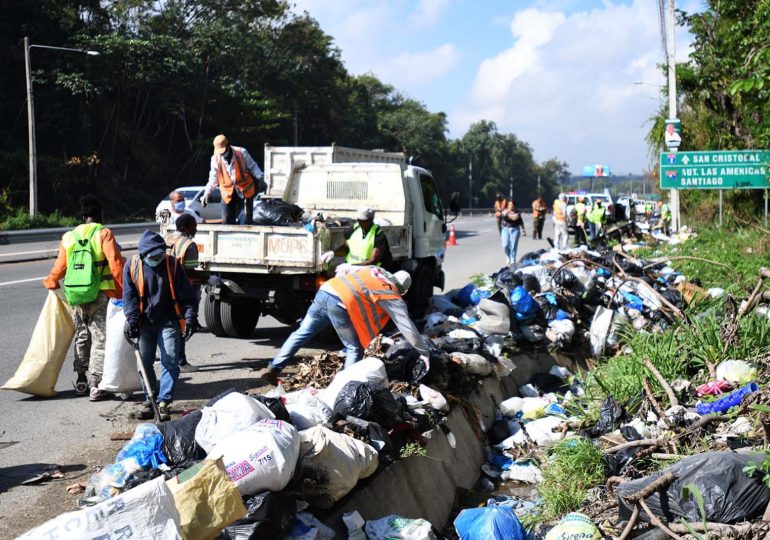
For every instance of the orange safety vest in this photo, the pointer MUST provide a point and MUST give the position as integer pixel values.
(243, 179)
(538, 207)
(558, 211)
(360, 292)
(499, 207)
(137, 278)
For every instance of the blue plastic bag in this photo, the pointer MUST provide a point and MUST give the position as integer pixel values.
(146, 447)
(489, 523)
(524, 306)
(463, 297)
(477, 295)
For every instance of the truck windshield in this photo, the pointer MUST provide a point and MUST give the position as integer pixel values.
(430, 196)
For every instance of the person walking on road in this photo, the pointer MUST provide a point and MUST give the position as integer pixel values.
(185, 250)
(358, 305)
(513, 227)
(560, 231)
(500, 206)
(581, 211)
(539, 210)
(238, 177)
(158, 302)
(91, 265)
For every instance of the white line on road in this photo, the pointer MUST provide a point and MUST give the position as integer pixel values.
(21, 281)
(27, 252)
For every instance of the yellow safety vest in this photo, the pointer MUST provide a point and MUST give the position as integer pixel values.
(107, 282)
(360, 247)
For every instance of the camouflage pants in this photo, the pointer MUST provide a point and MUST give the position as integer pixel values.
(90, 335)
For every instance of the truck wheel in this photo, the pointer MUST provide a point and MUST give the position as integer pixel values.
(421, 290)
(212, 316)
(239, 320)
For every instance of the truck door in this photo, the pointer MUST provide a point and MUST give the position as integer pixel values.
(429, 235)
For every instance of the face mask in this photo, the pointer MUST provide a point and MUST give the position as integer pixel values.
(179, 206)
(152, 262)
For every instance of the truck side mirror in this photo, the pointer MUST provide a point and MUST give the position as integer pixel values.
(454, 203)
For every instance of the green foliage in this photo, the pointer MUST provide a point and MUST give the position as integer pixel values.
(412, 449)
(761, 468)
(573, 466)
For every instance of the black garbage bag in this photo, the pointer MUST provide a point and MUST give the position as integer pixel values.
(531, 258)
(498, 432)
(673, 296)
(368, 401)
(729, 494)
(179, 444)
(463, 345)
(277, 212)
(276, 407)
(371, 433)
(615, 463)
(506, 278)
(610, 415)
(270, 515)
(403, 363)
(567, 280)
(547, 383)
(531, 284)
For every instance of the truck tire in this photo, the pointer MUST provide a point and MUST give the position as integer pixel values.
(211, 315)
(239, 319)
(421, 290)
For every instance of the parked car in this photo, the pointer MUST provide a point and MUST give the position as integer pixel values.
(192, 200)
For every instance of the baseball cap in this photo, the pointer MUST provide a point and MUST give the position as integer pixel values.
(364, 214)
(220, 144)
(403, 281)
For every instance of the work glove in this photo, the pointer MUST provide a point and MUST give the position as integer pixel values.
(131, 331)
(189, 330)
(205, 200)
(327, 257)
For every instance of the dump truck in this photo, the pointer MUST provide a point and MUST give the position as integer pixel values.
(273, 270)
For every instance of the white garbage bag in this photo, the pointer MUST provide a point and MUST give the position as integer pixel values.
(146, 512)
(399, 528)
(260, 457)
(370, 370)
(232, 413)
(120, 374)
(306, 409)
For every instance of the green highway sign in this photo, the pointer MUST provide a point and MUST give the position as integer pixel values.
(729, 169)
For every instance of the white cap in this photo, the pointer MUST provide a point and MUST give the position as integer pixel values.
(365, 213)
(563, 196)
(403, 281)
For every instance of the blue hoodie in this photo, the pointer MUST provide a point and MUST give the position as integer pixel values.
(158, 303)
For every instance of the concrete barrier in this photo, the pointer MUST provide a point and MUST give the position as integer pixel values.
(425, 487)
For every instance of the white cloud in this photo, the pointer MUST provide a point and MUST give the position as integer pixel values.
(566, 84)
(420, 68)
(428, 12)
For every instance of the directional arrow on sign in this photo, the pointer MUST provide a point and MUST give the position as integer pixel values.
(685, 160)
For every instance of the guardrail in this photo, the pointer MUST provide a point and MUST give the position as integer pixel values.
(45, 235)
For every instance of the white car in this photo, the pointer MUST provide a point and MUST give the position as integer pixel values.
(192, 201)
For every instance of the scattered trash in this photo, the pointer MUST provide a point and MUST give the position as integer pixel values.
(399, 528)
(489, 523)
(574, 526)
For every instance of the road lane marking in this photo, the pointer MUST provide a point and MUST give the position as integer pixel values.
(22, 281)
(27, 252)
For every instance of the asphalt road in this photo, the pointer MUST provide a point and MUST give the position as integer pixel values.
(35, 432)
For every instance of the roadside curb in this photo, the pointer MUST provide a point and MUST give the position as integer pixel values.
(44, 254)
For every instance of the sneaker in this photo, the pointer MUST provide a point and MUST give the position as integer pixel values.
(187, 367)
(270, 375)
(165, 414)
(96, 394)
(81, 385)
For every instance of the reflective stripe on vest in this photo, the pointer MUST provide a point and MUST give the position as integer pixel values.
(558, 211)
(360, 292)
(137, 278)
(580, 210)
(243, 179)
(179, 250)
(360, 247)
(107, 282)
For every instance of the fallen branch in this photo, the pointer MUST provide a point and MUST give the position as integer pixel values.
(666, 387)
(630, 525)
(702, 422)
(722, 529)
(603, 508)
(633, 444)
(657, 522)
(654, 402)
(660, 482)
(764, 273)
(656, 262)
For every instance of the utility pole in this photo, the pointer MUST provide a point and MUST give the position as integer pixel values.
(31, 132)
(671, 53)
(470, 185)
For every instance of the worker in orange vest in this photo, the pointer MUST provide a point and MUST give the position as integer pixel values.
(236, 173)
(539, 210)
(500, 205)
(358, 305)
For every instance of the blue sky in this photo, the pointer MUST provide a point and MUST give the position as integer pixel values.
(559, 74)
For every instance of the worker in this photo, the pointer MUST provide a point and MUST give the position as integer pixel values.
(185, 249)
(158, 302)
(560, 233)
(87, 289)
(596, 218)
(238, 177)
(648, 209)
(665, 217)
(580, 221)
(500, 206)
(358, 305)
(365, 245)
(513, 227)
(539, 210)
(179, 207)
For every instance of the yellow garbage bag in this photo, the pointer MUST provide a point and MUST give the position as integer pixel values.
(206, 499)
(39, 369)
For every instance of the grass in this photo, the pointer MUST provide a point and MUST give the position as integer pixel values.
(19, 219)
(572, 467)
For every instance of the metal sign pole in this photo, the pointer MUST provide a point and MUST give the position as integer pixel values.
(765, 208)
(720, 208)
(671, 57)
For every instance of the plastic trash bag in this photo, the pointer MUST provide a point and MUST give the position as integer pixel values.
(369, 402)
(147, 511)
(729, 497)
(524, 306)
(269, 515)
(403, 363)
(179, 444)
(120, 374)
(611, 414)
(146, 447)
(233, 412)
(371, 433)
(738, 372)
(307, 527)
(306, 409)
(331, 464)
(464, 345)
(277, 212)
(369, 369)
(495, 317)
(206, 499)
(463, 296)
(399, 528)
(276, 406)
(473, 364)
(489, 523)
(260, 457)
(39, 369)
(574, 525)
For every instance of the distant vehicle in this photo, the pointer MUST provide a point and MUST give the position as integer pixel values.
(192, 200)
(625, 208)
(589, 198)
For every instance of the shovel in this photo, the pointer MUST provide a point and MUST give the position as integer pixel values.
(147, 387)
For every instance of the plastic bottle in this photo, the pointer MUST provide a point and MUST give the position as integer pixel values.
(355, 524)
(730, 400)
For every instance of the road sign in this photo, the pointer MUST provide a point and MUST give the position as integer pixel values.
(730, 169)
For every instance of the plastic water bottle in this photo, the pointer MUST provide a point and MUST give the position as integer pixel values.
(730, 400)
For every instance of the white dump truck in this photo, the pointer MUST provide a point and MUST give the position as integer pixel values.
(276, 270)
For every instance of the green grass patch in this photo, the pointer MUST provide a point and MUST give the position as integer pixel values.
(572, 467)
(19, 219)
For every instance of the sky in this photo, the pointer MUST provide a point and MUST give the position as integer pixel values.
(561, 75)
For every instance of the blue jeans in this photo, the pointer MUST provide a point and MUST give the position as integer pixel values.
(324, 310)
(169, 339)
(231, 212)
(510, 237)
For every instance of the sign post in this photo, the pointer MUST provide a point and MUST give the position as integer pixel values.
(729, 169)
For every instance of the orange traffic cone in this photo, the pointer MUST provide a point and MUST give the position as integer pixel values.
(452, 238)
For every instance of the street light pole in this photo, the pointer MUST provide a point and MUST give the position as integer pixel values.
(671, 41)
(31, 118)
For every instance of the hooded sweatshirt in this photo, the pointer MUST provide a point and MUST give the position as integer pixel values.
(158, 302)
